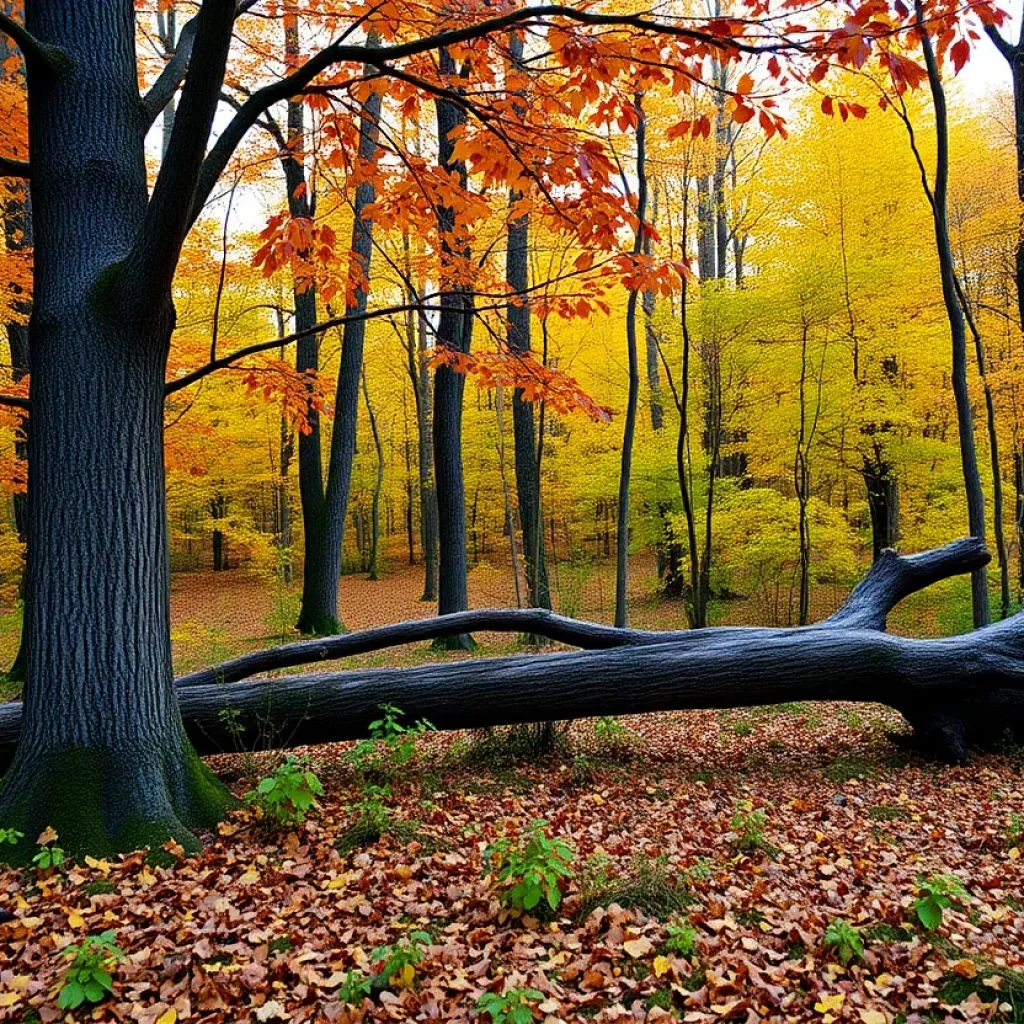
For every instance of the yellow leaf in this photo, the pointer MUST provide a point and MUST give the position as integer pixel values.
(828, 1003)
(408, 974)
(168, 1016)
(252, 875)
(75, 920)
(965, 968)
(103, 866)
(9, 998)
(1015, 853)
(46, 837)
(662, 965)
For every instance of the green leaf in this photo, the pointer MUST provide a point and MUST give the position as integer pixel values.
(72, 995)
(929, 912)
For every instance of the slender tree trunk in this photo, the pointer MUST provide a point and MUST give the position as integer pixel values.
(103, 757)
(883, 503)
(958, 334)
(378, 486)
(625, 472)
(526, 463)
(314, 615)
(320, 598)
(454, 331)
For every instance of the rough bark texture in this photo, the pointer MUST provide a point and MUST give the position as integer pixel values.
(455, 331)
(954, 691)
(102, 757)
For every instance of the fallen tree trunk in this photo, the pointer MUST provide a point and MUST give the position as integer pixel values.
(955, 691)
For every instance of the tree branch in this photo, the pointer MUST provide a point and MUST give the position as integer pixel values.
(10, 168)
(265, 346)
(41, 56)
(163, 89)
(887, 582)
(339, 52)
(16, 402)
(1004, 46)
(155, 255)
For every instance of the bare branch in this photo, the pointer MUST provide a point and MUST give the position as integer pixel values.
(16, 402)
(167, 221)
(10, 168)
(1004, 46)
(163, 89)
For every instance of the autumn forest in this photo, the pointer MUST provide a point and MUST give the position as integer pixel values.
(511, 511)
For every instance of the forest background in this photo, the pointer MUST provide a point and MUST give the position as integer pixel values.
(790, 299)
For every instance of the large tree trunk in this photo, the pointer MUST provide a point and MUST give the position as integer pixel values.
(102, 757)
(954, 691)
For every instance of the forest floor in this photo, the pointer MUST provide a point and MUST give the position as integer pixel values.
(712, 851)
(683, 902)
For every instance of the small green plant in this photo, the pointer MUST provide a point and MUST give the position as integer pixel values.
(748, 825)
(89, 975)
(1015, 831)
(937, 893)
(10, 835)
(845, 939)
(398, 962)
(355, 988)
(529, 873)
(373, 819)
(513, 1006)
(887, 812)
(699, 871)
(288, 794)
(390, 746)
(48, 857)
(611, 734)
(582, 770)
(682, 938)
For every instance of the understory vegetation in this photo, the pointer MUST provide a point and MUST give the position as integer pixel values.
(795, 870)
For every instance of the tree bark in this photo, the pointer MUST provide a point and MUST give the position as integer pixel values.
(629, 429)
(954, 691)
(955, 315)
(320, 598)
(103, 757)
(454, 331)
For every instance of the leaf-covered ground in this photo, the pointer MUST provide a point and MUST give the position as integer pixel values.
(267, 925)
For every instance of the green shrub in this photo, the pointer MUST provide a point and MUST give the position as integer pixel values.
(510, 1007)
(288, 794)
(682, 938)
(397, 963)
(937, 893)
(390, 746)
(10, 835)
(88, 977)
(748, 825)
(355, 988)
(612, 736)
(48, 857)
(1015, 831)
(530, 873)
(845, 939)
